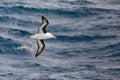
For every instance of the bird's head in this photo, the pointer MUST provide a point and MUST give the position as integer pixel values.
(51, 35)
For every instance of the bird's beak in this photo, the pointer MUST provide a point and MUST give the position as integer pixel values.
(54, 37)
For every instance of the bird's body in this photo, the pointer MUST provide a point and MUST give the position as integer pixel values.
(41, 35)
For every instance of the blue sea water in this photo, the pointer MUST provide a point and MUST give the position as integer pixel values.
(87, 45)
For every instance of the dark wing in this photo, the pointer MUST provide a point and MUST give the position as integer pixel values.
(41, 46)
(42, 28)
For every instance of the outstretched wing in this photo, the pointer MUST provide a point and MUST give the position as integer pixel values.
(41, 46)
(42, 28)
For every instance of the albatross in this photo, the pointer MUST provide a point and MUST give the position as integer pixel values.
(41, 36)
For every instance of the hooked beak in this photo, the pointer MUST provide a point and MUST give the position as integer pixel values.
(54, 37)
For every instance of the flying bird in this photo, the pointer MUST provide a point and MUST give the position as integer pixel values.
(41, 35)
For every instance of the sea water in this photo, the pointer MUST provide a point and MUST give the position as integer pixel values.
(87, 45)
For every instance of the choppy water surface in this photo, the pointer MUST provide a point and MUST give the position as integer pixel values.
(87, 45)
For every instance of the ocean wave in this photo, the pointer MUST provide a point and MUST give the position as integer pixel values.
(87, 34)
(15, 32)
(80, 12)
(5, 19)
(104, 51)
(111, 50)
(77, 2)
(83, 38)
(30, 10)
(19, 22)
(18, 32)
(9, 46)
(105, 27)
(28, 64)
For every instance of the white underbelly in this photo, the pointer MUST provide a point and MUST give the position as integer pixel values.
(39, 36)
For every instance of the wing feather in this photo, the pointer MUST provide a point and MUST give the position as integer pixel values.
(41, 46)
(42, 28)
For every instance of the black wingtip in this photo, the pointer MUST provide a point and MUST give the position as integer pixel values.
(43, 18)
(36, 55)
